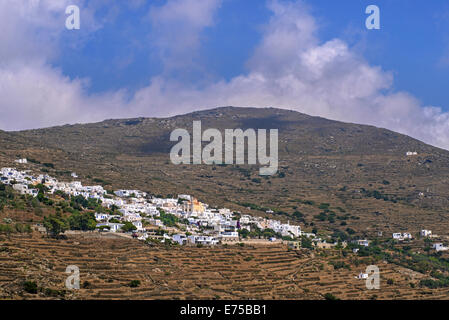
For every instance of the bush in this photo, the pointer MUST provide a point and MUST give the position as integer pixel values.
(298, 215)
(30, 287)
(22, 228)
(134, 283)
(350, 231)
(306, 243)
(330, 296)
(5, 228)
(53, 293)
(339, 265)
(324, 206)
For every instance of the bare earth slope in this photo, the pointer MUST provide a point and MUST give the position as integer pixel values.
(234, 272)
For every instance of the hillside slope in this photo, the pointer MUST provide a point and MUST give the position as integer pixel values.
(355, 174)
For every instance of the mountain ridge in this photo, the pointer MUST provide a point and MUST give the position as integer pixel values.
(360, 169)
(273, 118)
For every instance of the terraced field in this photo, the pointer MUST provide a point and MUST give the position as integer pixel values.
(108, 263)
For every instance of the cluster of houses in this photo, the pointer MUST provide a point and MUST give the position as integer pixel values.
(424, 233)
(197, 222)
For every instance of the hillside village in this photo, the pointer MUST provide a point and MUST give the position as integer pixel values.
(196, 222)
(185, 221)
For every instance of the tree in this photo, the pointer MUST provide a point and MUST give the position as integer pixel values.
(128, 227)
(82, 221)
(306, 243)
(55, 224)
(244, 233)
(298, 214)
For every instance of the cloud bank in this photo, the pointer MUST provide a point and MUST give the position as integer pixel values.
(290, 68)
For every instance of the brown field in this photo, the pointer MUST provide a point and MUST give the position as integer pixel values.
(108, 263)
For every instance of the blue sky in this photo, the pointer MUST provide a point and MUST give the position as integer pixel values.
(412, 43)
(160, 58)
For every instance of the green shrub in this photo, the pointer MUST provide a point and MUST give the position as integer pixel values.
(330, 296)
(134, 283)
(30, 287)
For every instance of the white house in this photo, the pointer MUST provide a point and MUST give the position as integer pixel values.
(180, 238)
(138, 225)
(411, 153)
(397, 236)
(406, 235)
(205, 240)
(439, 247)
(364, 243)
(23, 189)
(426, 233)
(101, 216)
(402, 236)
(114, 227)
(229, 236)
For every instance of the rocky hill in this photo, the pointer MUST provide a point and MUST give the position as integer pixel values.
(332, 175)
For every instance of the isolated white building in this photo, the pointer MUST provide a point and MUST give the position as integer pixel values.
(364, 243)
(425, 233)
(402, 236)
(439, 247)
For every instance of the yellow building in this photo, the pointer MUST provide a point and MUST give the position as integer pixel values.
(194, 206)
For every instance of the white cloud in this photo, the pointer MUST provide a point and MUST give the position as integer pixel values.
(177, 29)
(31, 29)
(38, 95)
(292, 69)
